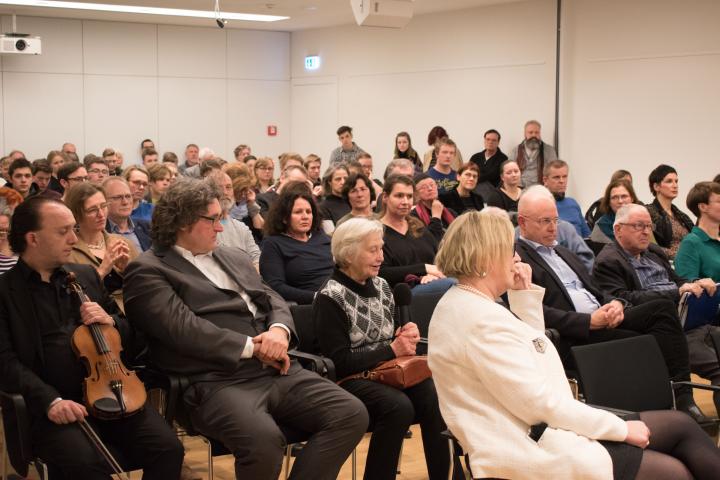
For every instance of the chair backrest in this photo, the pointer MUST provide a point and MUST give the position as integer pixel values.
(421, 310)
(304, 328)
(628, 374)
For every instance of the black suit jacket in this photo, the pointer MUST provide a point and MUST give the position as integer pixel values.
(558, 307)
(614, 274)
(193, 327)
(21, 355)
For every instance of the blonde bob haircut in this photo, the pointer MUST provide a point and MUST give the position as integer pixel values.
(348, 237)
(474, 243)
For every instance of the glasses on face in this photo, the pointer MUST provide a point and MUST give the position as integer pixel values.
(139, 183)
(78, 179)
(639, 226)
(545, 221)
(118, 198)
(95, 211)
(102, 171)
(265, 169)
(425, 187)
(617, 198)
(214, 220)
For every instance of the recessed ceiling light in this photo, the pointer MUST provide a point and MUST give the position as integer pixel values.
(172, 12)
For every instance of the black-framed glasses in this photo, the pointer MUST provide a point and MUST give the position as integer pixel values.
(640, 226)
(214, 220)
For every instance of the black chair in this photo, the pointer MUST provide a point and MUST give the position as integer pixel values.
(629, 375)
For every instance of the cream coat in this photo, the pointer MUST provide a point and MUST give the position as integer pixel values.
(493, 383)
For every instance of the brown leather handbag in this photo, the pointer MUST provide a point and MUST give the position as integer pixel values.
(401, 372)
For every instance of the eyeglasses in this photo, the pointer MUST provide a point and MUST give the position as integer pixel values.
(98, 170)
(139, 183)
(118, 198)
(214, 220)
(77, 179)
(545, 221)
(427, 186)
(95, 211)
(639, 226)
(615, 198)
(265, 169)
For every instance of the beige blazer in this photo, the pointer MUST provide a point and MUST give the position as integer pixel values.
(496, 376)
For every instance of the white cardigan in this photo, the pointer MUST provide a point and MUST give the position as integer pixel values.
(496, 376)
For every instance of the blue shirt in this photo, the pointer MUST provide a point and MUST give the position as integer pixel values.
(569, 210)
(583, 300)
(652, 276)
(445, 182)
(143, 211)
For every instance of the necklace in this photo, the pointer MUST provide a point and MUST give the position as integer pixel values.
(473, 290)
(97, 246)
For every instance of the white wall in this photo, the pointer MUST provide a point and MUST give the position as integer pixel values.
(640, 82)
(109, 84)
(468, 71)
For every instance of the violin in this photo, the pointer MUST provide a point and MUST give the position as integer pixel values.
(110, 389)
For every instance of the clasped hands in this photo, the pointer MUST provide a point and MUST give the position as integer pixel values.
(271, 349)
(609, 315)
(406, 340)
(698, 286)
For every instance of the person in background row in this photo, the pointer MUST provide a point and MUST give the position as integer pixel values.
(463, 197)
(20, 173)
(149, 157)
(397, 166)
(292, 173)
(9, 198)
(532, 155)
(699, 252)
(263, 173)
(42, 174)
(555, 179)
(245, 208)
(365, 161)
(313, 164)
(241, 152)
(114, 161)
(170, 157)
(359, 194)
(174, 171)
(137, 179)
(427, 204)
(159, 177)
(404, 149)
(295, 257)
(670, 223)
(489, 160)
(430, 157)
(593, 212)
(120, 207)
(508, 194)
(356, 324)
(442, 172)
(56, 159)
(70, 175)
(97, 169)
(617, 194)
(7, 258)
(191, 157)
(334, 206)
(348, 149)
(69, 148)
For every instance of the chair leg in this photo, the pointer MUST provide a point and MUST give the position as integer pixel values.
(354, 464)
(399, 465)
(288, 454)
(451, 470)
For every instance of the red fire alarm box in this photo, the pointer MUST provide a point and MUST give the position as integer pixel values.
(272, 130)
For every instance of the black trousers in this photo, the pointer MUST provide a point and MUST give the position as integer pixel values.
(245, 417)
(392, 411)
(145, 440)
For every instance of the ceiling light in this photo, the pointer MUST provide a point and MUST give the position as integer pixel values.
(173, 12)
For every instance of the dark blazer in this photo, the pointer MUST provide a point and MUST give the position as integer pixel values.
(453, 201)
(558, 307)
(193, 327)
(614, 274)
(663, 224)
(142, 231)
(22, 360)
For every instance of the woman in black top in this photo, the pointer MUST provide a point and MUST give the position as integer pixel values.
(355, 323)
(404, 149)
(463, 196)
(410, 246)
(671, 225)
(295, 257)
(508, 195)
(334, 207)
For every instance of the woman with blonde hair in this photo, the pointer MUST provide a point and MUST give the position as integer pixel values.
(263, 174)
(502, 387)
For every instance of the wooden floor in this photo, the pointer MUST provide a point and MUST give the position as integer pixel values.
(413, 460)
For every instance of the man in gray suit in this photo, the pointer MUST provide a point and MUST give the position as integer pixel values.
(208, 315)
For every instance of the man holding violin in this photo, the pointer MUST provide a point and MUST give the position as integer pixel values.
(38, 316)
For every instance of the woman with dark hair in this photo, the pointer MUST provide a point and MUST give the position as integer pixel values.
(334, 206)
(108, 253)
(430, 157)
(410, 246)
(358, 191)
(404, 149)
(508, 194)
(617, 194)
(593, 213)
(295, 257)
(463, 197)
(670, 224)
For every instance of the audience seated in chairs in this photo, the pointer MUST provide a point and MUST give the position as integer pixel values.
(427, 204)
(699, 253)
(638, 271)
(670, 223)
(120, 205)
(295, 257)
(356, 326)
(38, 315)
(555, 178)
(108, 253)
(359, 193)
(207, 315)
(502, 387)
(463, 197)
(617, 194)
(581, 311)
(410, 247)
(137, 178)
(593, 213)
(159, 178)
(507, 194)
(334, 206)
(291, 173)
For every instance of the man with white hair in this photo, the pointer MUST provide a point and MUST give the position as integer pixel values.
(204, 155)
(580, 310)
(292, 173)
(637, 270)
(532, 154)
